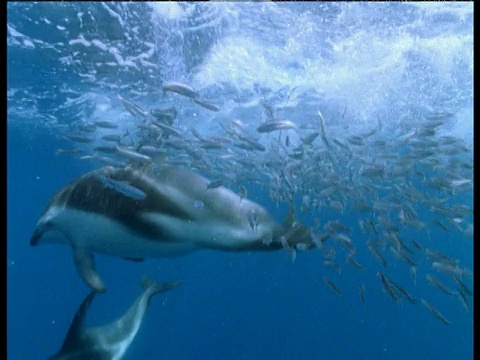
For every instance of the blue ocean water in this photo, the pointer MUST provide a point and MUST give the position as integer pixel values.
(68, 61)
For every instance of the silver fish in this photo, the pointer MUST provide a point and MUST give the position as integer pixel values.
(168, 129)
(253, 220)
(179, 88)
(106, 124)
(133, 155)
(435, 312)
(206, 104)
(273, 125)
(166, 115)
(122, 187)
(132, 108)
(332, 286)
(112, 137)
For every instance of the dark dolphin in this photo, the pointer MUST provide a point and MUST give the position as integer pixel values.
(147, 211)
(110, 341)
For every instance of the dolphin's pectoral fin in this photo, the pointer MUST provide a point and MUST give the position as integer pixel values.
(134, 259)
(86, 269)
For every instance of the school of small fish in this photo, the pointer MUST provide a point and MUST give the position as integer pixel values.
(387, 183)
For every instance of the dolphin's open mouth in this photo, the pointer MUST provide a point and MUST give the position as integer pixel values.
(46, 233)
(40, 231)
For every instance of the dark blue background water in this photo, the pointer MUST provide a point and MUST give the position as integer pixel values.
(231, 306)
(235, 306)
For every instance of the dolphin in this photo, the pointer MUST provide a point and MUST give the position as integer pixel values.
(156, 211)
(109, 341)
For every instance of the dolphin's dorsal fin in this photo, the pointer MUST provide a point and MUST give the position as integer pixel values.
(73, 337)
(86, 268)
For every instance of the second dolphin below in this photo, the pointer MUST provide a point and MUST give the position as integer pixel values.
(110, 341)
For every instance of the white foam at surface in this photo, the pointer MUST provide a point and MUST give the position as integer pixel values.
(343, 52)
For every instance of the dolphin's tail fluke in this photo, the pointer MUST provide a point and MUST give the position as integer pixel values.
(156, 286)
